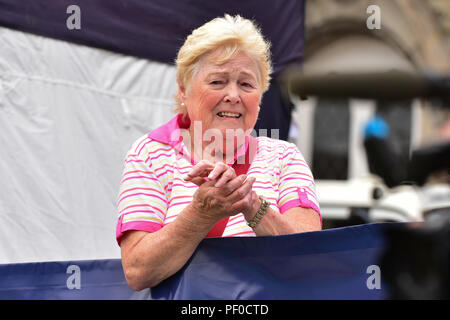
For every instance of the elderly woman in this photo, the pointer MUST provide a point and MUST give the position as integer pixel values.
(177, 189)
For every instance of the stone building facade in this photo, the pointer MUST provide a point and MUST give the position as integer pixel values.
(413, 35)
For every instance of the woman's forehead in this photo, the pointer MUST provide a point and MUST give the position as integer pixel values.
(241, 64)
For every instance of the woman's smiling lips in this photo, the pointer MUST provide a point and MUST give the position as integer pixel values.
(229, 115)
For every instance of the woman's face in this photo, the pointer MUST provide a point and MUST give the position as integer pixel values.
(224, 96)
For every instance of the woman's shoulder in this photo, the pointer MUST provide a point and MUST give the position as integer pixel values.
(266, 144)
(144, 146)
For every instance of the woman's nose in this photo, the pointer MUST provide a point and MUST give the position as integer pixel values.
(232, 94)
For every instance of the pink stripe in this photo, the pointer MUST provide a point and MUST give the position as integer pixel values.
(287, 155)
(297, 203)
(232, 224)
(134, 160)
(146, 140)
(293, 163)
(172, 169)
(143, 194)
(170, 165)
(312, 194)
(135, 225)
(267, 182)
(139, 177)
(284, 179)
(179, 197)
(303, 202)
(164, 173)
(145, 211)
(264, 148)
(181, 180)
(259, 187)
(234, 218)
(162, 154)
(304, 199)
(159, 149)
(184, 185)
(286, 191)
(295, 173)
(139, 205)
(177, 204)
(137, 188)
(143, 146)
(186, 167)
(265, 151)
(289, 205)
(146, 172)
(259, 167)
(256, 171)
(308, 191)
(183, 173)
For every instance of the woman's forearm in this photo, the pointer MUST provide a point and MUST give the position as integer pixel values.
(273, 223)
(295, 220)
(152, 257)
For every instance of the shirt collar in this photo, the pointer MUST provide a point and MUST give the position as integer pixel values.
(170, 133)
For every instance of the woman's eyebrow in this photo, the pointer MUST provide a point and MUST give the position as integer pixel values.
(217, 73)
(249, 74)
(246, 74)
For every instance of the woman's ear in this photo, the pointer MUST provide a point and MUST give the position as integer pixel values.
(181, 93)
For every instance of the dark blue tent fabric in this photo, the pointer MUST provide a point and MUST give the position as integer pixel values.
(155, 29)
(328, 264)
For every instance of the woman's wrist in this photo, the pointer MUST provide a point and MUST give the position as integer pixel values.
(253, 223)
(256, 204)
(194, 220)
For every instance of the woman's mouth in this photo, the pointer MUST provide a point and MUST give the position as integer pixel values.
(229, 115)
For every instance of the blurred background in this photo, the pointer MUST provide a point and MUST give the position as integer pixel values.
(413, 36)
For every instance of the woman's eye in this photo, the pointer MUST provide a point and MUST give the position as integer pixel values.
(216, 82)
(246, 84)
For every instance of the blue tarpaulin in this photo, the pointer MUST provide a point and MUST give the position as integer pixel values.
(341, 263)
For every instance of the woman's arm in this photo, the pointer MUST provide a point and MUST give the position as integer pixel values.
(299, 208)
(294, 220)
(149, 258)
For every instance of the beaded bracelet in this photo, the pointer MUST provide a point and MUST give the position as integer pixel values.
(260, 213)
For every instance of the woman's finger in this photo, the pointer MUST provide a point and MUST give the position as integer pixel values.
(202, 168)
(197, 180)
(219, 169)
(246, 204)
(242, 191)
(232, 185)
(226, 176)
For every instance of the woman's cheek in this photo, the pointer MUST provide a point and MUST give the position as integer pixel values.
(252, 103)
(208, 101)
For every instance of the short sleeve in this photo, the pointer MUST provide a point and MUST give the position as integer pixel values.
(142, 201)
(296, 184)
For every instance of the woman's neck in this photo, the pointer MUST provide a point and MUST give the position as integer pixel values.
(211, 150)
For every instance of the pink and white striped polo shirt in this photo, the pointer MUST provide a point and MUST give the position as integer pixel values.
(153, 191)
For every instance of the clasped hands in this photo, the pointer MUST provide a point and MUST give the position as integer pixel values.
(221, 193)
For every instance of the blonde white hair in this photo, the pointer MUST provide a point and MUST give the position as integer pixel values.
(227, 36)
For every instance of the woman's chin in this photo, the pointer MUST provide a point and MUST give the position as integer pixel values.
(230, 124)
